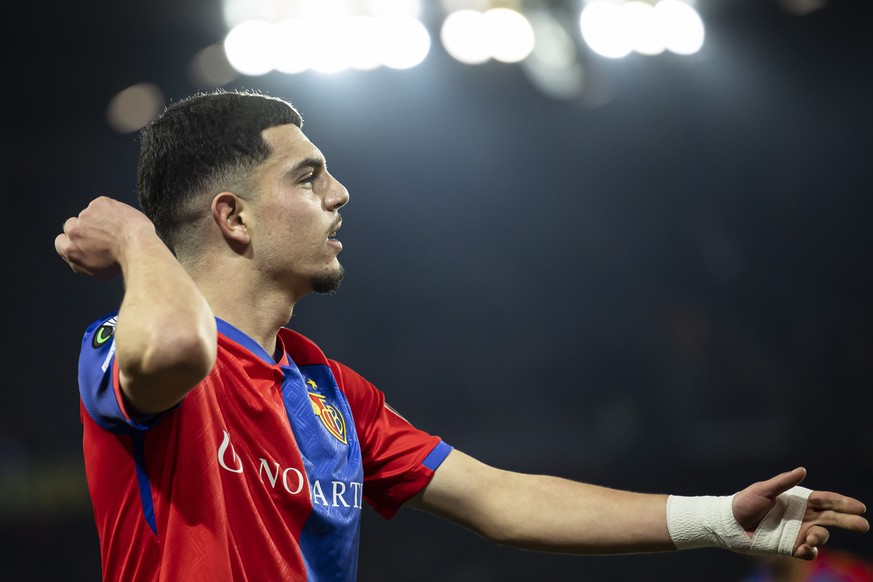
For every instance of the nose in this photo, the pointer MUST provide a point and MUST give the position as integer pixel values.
(337, 195)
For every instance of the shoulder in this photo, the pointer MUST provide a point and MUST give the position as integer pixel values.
(306, 352)
(302, 350)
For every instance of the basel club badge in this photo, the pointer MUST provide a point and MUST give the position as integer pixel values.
(331, 417)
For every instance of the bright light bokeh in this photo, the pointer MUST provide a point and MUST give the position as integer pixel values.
(602, 26)
(615, 29)
(364, 42)
(644, 32)
(133, 108)
(405, 41)
(386, 7)
(321, 9)
(510, 35)
(250, 47)
(684, 28)
(475, 37)
(553, 46)
(450, 6)
(327, 45)
(238, 11)
(327, 50)
(463, 35)
(290, 43)
(553, 66)
(210, 68)
(329, 36)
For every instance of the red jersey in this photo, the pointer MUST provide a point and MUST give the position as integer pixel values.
(260, 473)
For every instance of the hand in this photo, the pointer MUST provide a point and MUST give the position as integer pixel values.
(824, 509)
(93, 242)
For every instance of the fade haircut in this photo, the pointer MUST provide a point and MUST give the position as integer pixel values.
(200, 146)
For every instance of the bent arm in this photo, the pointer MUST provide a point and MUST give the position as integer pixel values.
(166, 338)
(166, 335)
(539, 512)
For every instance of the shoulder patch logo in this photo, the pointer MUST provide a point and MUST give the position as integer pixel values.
(331, 418)
(104, 333)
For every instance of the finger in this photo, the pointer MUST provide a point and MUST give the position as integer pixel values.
(782, 482)
(806, 552)
(61, 242)
(817, 536)
(68, 222)
(62, 246)
(847, 521)
(837, 502)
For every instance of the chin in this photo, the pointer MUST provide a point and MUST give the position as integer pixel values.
(328, 282)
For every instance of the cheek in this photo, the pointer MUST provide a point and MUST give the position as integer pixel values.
(297, 228)
(302, 235)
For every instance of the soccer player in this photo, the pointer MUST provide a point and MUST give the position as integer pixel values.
(221, 445)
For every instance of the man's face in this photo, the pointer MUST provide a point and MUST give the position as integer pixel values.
(297, 214)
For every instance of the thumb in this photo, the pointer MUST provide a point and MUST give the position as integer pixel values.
(754, 502)
(782, 482)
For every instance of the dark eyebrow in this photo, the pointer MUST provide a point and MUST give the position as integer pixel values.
(311, 163)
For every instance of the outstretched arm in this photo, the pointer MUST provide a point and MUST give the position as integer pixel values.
(166, 335)
(546, 513)
(552, 514)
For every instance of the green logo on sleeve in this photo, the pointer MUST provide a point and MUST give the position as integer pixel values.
(104, 333)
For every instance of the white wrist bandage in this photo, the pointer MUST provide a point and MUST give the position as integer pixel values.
(708, 521)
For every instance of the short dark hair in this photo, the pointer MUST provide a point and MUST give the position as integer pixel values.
(209, 141)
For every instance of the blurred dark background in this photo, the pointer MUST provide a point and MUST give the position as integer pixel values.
(668, 290)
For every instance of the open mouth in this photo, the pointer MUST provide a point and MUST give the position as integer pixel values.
(331, 236)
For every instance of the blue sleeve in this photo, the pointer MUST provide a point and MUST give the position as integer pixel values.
(96, 380)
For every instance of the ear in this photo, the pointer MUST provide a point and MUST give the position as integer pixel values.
(227, 212)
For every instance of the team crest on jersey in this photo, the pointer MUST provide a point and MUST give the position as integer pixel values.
(104, 333)
(330, 416)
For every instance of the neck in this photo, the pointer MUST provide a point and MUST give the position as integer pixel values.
(250, 306)
(261, 324)
(242, 295)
